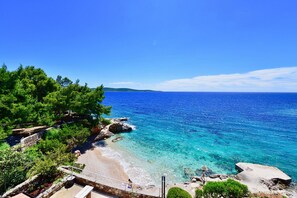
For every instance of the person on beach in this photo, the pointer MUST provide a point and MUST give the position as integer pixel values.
(130, 183)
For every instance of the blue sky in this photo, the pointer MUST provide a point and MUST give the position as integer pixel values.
(155, 44)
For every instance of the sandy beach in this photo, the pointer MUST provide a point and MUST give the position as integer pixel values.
(99, 166)
(110, 172)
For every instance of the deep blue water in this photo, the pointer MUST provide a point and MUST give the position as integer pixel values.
(189, 130)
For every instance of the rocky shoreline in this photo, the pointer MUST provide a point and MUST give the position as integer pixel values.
(258, 178)
(116, 126)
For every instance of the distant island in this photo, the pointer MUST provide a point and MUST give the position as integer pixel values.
(109, 89)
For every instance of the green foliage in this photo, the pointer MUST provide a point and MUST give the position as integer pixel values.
(21, 98)
(33, 153)
(14, 166)
(198, 193)
(4, 145)
(235, 189)
(29, 97)
(228, 189)
(47, 146)
(70, 135)
(54, 149)
(44, 166)
(79, 99)
(177, 192)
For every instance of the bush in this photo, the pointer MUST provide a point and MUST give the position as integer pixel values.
(229, 188)
(198, 193)
(235, 189)
(48, 145)
(177, 192)
(70, 135)
(3, 145)
(13, 166)
(214, 189)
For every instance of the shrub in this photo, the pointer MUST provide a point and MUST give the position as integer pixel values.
(13, 166)
(49, 145)
(3, 145)
(70, 135)
(198, 193)
(235, 189)
(177, 192)
(229, 188)
(214, 189)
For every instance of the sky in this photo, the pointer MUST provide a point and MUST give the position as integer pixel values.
(169, 45)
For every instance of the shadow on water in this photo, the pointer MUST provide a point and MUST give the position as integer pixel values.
(88, 145)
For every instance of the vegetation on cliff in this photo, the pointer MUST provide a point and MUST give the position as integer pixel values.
(28, 97)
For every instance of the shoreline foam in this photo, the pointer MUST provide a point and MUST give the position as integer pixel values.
(137, 174)
(99, 166)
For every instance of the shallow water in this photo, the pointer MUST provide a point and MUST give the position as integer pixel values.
(175, 131)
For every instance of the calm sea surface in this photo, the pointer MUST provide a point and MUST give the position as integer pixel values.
(175, 131)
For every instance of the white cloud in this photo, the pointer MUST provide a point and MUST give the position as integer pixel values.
(267, 80)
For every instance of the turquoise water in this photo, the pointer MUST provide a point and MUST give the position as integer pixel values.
(175, 131)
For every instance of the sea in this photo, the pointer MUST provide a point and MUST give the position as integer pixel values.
(176, 133)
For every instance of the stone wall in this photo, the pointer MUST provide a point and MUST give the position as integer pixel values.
(85, 180)
(19, 188)
(25, 185)
(108, 189)
(32, 139)
(53, 189)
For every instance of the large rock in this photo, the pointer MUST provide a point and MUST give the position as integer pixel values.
(102, 136)
(261, 178)
(115, 127)
(207, 172)
(119, 119)
(220, 176)
(119, 127)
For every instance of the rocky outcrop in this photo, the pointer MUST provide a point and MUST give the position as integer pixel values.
(207, 172)
(104, 133)
(220, 176)
(117, 126)
(269, 173)
(120, 119)
(262, 178)
(117, 139)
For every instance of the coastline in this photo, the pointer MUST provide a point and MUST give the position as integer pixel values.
(105, 160)
(112, 168)
(116, 164)
(100, 166)
(137, 173)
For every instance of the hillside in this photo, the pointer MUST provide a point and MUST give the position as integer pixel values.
(109, 89)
